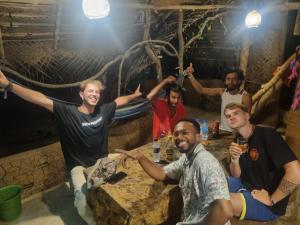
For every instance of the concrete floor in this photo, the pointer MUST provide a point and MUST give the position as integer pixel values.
(52, 207)
(55, 206)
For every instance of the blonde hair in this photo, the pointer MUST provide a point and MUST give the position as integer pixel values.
(235, 105)
(98, 83)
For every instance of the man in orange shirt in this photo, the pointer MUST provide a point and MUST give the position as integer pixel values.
(167, 111)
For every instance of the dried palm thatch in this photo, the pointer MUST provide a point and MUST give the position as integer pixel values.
(51, 53)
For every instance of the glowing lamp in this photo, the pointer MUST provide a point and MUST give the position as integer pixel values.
(95, 9)
(253, 19)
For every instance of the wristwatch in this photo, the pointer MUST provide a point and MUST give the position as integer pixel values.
(8, 87)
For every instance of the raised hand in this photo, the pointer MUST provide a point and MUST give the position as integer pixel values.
(3, 80)
(190, 69)
(138, 92)
(170, 79)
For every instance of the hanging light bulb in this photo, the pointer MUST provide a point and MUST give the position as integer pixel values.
(253, 19)
(95, 9)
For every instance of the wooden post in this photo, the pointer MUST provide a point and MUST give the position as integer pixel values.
(297, 23)
(244, 56)
(149, 48)
(57, 23)
(2, 55)
(181, 41)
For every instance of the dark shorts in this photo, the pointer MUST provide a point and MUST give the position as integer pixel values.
(251, 208)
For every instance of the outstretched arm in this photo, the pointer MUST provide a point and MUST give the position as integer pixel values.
(123, 100)
(27, 94)
(153, 170)
(220, 212)
(198, 86)
(157, 88)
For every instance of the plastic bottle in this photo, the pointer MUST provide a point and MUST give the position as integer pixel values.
(204, 130)
(156, 151)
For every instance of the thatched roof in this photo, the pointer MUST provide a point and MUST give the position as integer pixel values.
(51, 41)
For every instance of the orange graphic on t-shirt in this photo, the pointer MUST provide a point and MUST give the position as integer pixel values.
(254, 155)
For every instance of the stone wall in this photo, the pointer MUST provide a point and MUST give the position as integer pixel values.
(34, 170)
(42, 168)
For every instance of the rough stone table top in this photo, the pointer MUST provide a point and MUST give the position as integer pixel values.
(138, 199)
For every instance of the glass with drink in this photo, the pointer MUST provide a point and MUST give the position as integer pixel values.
(243, 144)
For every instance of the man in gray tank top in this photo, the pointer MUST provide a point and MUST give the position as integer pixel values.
(231, 93)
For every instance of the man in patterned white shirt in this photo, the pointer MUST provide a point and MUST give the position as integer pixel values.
(200, 177)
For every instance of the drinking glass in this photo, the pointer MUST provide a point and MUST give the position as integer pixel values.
(243, 144)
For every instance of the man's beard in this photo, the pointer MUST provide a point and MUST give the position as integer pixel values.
(190, 147)
(232, 88)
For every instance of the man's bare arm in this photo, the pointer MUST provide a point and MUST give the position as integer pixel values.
(289, 182)
(153, 170)
(27, 94)
(220, 212)
(123, 100)
(152, 94)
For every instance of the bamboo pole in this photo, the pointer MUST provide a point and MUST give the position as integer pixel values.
(278, 73)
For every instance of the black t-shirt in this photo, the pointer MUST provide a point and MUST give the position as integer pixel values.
(262, 166)
(83, 137)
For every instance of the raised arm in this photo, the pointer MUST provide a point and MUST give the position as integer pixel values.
(198, 86)
(123, 100)
(27, 94)
(153, 170)
(152, 94)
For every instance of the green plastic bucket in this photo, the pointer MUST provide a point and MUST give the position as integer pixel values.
(10, 202)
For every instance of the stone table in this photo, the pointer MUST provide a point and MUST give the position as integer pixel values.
(138, 199)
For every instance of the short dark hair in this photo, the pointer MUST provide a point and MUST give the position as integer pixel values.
(192, 121)
(240, 73)
(173, 87)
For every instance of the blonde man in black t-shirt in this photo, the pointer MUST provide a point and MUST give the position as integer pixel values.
(83, 130)
(265, 175)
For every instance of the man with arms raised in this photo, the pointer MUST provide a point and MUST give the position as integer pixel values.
(201, 178)
(167, 110)
(83, 130)
(265, 175)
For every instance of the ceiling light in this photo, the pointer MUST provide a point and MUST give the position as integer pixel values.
(95, 9)
(253, 19)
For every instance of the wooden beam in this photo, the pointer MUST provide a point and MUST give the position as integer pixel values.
(58, 24)
(270, 7)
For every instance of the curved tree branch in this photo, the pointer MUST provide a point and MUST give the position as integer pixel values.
(45, 85)
(132, 48)
(199, 34)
